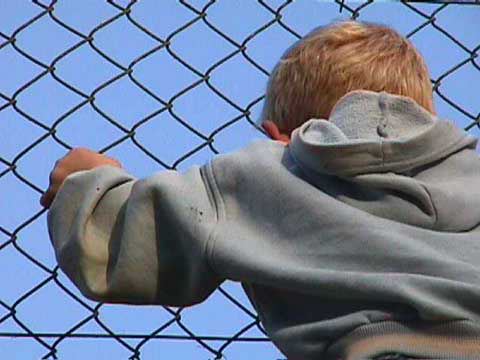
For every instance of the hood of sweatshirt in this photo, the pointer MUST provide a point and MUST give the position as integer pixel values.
(395, 154)
(372, 132)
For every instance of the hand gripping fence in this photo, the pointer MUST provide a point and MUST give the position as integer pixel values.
(18, 244)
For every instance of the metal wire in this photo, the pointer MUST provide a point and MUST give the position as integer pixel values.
(198, 14)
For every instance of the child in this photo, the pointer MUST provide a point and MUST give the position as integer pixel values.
(354, 237)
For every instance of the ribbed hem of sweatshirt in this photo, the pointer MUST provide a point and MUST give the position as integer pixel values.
(458, 340)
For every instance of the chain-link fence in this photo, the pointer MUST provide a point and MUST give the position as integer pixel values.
(178, 81)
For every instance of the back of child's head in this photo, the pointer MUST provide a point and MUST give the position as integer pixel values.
(331, 61)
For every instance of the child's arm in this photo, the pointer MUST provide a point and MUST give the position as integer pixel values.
(141, 241)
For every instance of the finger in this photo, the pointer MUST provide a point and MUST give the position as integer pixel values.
(51, 178)
(116, 162)
(43, 199)
(57, 176)
(47, 198)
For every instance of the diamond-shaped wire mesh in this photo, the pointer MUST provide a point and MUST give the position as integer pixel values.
(108, 75)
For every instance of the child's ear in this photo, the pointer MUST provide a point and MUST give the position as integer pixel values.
(272, 130)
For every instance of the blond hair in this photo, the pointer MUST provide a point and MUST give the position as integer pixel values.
(331, 61)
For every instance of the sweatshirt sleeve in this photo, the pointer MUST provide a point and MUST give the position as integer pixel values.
(137, 241)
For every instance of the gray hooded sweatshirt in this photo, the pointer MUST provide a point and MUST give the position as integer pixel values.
(360, 238)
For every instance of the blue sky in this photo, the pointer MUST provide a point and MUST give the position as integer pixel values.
(46, 101)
